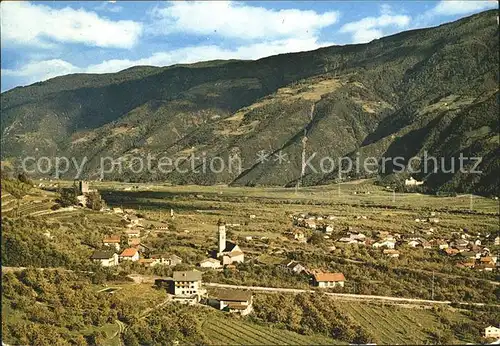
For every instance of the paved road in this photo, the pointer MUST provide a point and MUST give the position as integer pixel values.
(138, 278)
(345, 296)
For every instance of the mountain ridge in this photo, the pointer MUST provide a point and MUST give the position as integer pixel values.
(396, 95)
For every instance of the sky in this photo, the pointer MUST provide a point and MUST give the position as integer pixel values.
(41, 40)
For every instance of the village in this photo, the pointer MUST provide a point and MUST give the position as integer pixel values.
(463, 245)
(467, 249)
(186, 286)
(199, 257)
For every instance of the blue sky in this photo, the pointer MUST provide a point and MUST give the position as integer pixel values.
(41, 40)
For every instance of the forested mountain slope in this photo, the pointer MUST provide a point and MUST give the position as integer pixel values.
(433, 90)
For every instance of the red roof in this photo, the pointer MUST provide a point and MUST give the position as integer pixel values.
(112, 239)
(322, 277)
(486, 259)
(130, 252)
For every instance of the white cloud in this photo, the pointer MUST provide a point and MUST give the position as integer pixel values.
(362, 35)
(370, 28)
(38, 25)
(109, 6)
(43, 70)
(235, 20)
(452, 7)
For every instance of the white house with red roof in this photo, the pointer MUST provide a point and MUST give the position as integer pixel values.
(130, 254)
(327, 280)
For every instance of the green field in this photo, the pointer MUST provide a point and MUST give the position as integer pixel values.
(394, 325)
(326, 194)
(232, 331)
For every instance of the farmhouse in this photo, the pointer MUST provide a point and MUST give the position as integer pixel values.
(169, 260)
(188, 287)
(326, 280)
(210, 263)
(442, 245)
(488, 260)
(112, 241)
(414, 243)
(327, 229)
(133, 233)
(486, 267)
(391, 253)
(309, 223)
(296, 234)
(130, 254)
(451, 252)
(413, 182)
(105, 258)
(134, 220)
(353, 238)
(491, 332)
(292, 267)
(388, 243)
(299, 236)
(233, 301)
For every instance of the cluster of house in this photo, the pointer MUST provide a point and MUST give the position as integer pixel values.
(466, 246)
(478, 256)
(318, 278)
(471, 254)
(187, 288)
(227, 254)
(135, 251)
(314, 222)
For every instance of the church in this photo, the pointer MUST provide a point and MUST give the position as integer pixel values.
(228, 252)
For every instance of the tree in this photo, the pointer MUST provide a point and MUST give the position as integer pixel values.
(97, 337)
(23, 178)
(67, 196)
(316, 238)
(94, 201)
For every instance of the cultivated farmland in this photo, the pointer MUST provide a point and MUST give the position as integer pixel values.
(225, 331)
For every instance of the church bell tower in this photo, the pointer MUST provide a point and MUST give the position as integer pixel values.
(222, 235)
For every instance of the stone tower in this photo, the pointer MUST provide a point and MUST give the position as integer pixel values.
(222, 235)
(84, 187)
